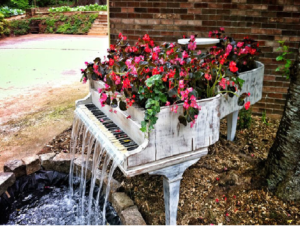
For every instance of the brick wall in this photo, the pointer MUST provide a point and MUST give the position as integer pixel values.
(264, 20)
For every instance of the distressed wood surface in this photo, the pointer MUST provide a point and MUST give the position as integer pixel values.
(253, 84)
(169, 138)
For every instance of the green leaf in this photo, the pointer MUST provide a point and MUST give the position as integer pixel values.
(279, 58)
(182, 120)
(163, 98)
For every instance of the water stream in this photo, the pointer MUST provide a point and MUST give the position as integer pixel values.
(93, 155)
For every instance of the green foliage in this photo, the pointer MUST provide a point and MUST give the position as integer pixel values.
(245, 119)
(20, 27)
(61, 24)
(20, 4)
(90, 7)
(284, 69)
(264, 118)
(3, 26)
(8, 12)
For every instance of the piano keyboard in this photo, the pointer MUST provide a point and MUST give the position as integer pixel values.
(118, 137)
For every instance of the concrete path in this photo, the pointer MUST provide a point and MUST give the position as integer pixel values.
(34, 61)
(39, 83)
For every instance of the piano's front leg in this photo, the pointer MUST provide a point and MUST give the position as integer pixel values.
(171, 180)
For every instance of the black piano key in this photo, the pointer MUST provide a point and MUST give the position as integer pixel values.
(132, 148)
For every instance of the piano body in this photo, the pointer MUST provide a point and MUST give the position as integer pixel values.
(167, 150)
(168, 144)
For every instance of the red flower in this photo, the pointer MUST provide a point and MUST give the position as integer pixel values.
(247, 105)
(232, 67)
(111, 62)
(146, 38)
(217, 200)
(217, 178)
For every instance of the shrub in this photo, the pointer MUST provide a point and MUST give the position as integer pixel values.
(20, 27)
(8, 12)
(245, 119)
(19, 4)
(3, 26)
(91, 7)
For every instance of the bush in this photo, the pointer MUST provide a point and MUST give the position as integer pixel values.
(19, 4)
(8, 12)
(3, 26)
(90, 7)
(20, 27)
(245, 119)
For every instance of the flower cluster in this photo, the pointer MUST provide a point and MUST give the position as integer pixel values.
(153, 76)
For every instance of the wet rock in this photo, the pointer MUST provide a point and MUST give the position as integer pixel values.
(121, 201)
(46, 160)
(32, 163)
(81, 161)
(16, 166)
(7, 179)
(61, 162)
(114, 186)
(132, 216)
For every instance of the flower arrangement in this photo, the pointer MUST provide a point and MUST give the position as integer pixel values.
(153, 76)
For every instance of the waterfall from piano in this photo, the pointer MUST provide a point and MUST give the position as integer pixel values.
(91, 154)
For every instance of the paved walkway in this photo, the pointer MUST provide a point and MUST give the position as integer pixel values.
(39, 83)
(37, 60)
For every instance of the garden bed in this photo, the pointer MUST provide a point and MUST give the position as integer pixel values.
(53, 24)
(226, 186)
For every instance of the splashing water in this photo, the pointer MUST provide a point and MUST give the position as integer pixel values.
(90, 147)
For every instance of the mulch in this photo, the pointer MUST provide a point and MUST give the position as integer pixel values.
(227, 186)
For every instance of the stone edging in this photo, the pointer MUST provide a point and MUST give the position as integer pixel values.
(124, 206)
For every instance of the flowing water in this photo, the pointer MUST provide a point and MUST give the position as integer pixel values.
(92, 154)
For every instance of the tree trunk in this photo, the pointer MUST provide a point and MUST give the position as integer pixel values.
(283, 162)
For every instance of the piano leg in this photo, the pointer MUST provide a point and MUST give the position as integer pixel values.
(172, 177)
(231, 125)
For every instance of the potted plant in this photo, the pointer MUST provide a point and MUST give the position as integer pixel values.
(167, 75)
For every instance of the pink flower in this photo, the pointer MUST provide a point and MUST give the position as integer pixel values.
(84, 80)
(167, 103)
(103, 99)
(181, 84)
(249, 94)
(228, 48)
(82, 70)
(185, 54)
(199, 52)
(106, 86)
(128, 62)
(174, 108)
(247, 105)
(192, 46)
(99, 90)
(156, 49)
(86, 63)
(186, 104)
(111, 62)
(137, 60)
(221, 29)
(240, 44)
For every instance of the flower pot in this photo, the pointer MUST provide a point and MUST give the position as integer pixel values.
(170, 139)
(253, 84)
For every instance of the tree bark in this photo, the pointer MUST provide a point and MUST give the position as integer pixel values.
(283, 162)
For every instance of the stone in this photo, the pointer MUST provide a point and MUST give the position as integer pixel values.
(32, 163)
(121, 201)
(46, 161)
(7, 179)
(81, 161)
(16, 166)
(132, 216)
(61, 162)
(114, 186)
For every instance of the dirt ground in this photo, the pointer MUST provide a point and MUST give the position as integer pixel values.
(33, 120)
(227, 186)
